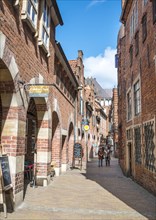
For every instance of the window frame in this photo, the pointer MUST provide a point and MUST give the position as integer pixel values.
(44, 28)
(129, 106)
(138, 145)
(27, 13)
(134, 19)
(144, 27)
(154, 10)
(137, 98)
(131, 55)
(137, 43)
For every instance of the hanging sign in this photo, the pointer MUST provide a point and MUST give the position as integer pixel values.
(86, 127)
(38, 91)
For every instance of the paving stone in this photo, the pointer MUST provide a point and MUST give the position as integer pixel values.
(98, 193)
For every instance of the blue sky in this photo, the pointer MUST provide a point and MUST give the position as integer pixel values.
(91, 26)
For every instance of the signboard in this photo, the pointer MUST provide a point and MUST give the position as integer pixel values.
(38, 91)
(4, 162)
(77, 150)
(86, 127)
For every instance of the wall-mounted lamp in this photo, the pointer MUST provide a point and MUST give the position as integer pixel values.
(80, 87)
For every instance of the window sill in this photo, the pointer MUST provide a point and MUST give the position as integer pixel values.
(42, 45)
(25, 17)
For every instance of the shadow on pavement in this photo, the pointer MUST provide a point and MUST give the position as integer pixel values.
(112, 179)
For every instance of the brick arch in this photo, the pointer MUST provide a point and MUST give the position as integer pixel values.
(13, 117)
(56, 143)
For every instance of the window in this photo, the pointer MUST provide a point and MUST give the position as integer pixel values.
(134, 19)
(29, 13)
(154, 10)
(131, 55)
(81, 106)
(129, 134)
(137, 142)
(129, 106)
(137, 104)
(145, 2)
(144, 27)
(44, 35)
(137, 43)
(149, 146)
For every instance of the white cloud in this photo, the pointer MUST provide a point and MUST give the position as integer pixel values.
(102, 68)
(95, 2)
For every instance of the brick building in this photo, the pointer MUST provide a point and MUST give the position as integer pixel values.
(137, 91)
(114, 119)
(38, 92)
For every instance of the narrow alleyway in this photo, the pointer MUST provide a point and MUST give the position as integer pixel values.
(100, 193)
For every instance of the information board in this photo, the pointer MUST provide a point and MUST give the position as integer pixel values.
(77, 150)
(4, 162)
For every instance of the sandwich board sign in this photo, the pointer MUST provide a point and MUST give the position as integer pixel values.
(5, 170)
(5, 180)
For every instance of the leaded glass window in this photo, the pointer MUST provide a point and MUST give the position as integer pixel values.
(137, 101)
(137, 140)
(32, 11)
(129, 106)
(149, 146)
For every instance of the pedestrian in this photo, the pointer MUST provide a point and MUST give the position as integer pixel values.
(100, 156)
(107, 156)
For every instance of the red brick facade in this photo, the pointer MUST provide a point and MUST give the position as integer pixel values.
(38, 129)
(137, 92)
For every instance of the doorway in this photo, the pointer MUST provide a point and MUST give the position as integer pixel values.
(31, 131)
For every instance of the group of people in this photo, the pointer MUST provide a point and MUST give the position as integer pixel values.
(104, 153)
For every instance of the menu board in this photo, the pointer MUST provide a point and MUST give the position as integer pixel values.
(4, 162)
(77, 150)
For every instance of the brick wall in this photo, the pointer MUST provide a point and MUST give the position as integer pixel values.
(142, 69)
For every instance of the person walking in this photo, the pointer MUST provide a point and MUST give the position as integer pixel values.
(100, 156)
(107, 156)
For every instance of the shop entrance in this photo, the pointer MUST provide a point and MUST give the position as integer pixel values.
(30, 151)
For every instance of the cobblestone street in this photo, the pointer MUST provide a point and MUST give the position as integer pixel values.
(101, 193)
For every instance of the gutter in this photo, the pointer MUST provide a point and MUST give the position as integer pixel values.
(54, 3)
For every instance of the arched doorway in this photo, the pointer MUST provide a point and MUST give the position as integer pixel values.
(30, 149)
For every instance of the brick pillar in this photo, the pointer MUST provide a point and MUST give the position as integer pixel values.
(42, 157)
(70, 149)
(56, 144)
(13, 142)
(64, 153)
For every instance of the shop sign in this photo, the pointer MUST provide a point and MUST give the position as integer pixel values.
(86, 127)
(38, 91)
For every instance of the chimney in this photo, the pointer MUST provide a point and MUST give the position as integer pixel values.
(80, 54)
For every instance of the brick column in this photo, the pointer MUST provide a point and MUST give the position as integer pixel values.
(13, 142)
(42, 157)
